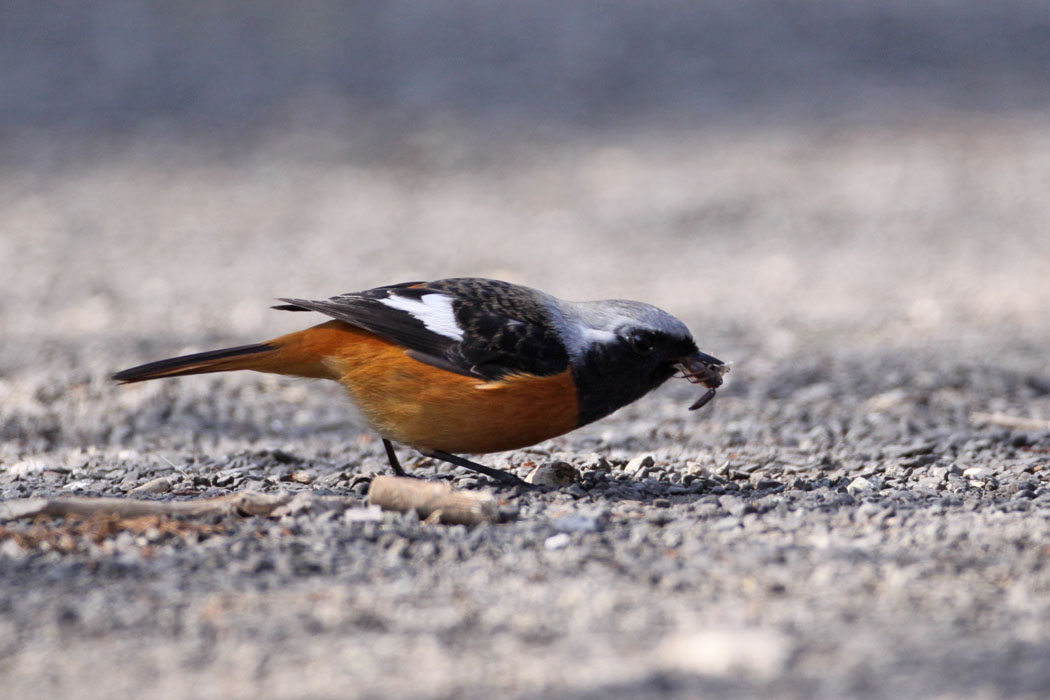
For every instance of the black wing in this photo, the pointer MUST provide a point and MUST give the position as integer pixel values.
(476, 327)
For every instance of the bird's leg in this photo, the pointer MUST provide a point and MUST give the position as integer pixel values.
(497, 474)
(392, 457)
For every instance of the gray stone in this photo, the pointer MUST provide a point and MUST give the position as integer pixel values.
(581, 521)
(553, 474)
(735, 505)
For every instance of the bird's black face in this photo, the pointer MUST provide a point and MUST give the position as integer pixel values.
(636, 361)
(655, 354)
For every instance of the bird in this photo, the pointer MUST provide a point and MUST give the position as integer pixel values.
(471, 365)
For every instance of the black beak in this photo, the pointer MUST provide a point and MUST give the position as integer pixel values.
(700, 368)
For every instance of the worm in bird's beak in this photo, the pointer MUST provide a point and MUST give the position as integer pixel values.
(703, 369)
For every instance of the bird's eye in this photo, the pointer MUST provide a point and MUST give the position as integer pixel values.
(641, 343)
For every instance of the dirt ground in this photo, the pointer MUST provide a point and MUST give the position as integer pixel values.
(854, 515)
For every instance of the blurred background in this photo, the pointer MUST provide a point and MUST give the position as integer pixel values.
(849, 200)
(780, 174)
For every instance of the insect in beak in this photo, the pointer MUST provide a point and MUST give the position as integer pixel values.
(703, 369)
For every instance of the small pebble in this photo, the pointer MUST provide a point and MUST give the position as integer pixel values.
(638, 468)
(859, 485)
(161, 484)
(581, 522)
(754, 653)
(553, 474)
(735, 505)
(558, 541)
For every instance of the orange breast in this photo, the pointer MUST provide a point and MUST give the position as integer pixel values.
(425, 407)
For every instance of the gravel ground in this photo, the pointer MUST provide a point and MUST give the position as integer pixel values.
(841, 521)
(836, 522)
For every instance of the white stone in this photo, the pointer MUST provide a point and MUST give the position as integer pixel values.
(860, 485)
(887, 400)
(26, 467)
(558, 541)
(161, 484)
(758, 653)
(639, 466)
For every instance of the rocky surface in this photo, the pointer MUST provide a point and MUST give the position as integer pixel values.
(840, 528)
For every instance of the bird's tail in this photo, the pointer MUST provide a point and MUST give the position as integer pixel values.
(243, 357)
(298, 354)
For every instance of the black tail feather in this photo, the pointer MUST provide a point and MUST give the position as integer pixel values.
(197, 363)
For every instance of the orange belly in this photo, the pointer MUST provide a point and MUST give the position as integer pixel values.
(415, 404)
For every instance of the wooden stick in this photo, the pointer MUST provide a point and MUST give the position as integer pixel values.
(433, 501)
(246, 503)
(1007, 421)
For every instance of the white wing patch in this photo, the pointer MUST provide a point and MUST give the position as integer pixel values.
(434, 310)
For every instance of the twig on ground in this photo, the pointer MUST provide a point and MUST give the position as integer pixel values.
(1007, 421)
(71, 535)
(246, 503)
(434, 502)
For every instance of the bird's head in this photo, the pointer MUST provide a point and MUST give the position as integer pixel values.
(624, 349)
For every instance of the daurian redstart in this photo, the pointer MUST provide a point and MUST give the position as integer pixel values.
(472, 365)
